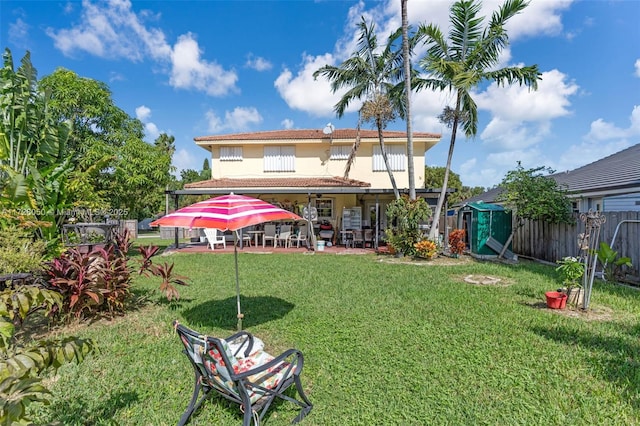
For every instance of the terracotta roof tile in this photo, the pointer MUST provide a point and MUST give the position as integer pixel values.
(311, 134)
(306, 182)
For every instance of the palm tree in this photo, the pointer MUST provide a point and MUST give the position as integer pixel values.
(469, 57)
(407, 89)
(371, 75)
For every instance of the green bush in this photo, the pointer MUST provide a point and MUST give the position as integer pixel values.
(406, 215)
(19, 252)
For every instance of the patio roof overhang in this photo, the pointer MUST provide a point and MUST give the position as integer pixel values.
(306, 190)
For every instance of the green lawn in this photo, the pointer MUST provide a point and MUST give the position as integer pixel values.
(384, 344)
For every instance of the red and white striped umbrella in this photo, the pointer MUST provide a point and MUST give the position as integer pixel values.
(227, 212)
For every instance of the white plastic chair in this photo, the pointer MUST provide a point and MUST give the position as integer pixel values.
(270, 235)
(301, 236)
(246, 238)
(213, 238)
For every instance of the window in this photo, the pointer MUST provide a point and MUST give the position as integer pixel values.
(325, 208)
(340, 152)
(396, 156)
(279, 159)
(230, 153)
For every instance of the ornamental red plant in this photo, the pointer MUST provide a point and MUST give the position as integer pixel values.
(456, 241)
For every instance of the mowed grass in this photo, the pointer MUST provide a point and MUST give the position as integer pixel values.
(384, 344)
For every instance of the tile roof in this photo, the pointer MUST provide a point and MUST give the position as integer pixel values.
(617, 171)
(312, 134)
(304, 182)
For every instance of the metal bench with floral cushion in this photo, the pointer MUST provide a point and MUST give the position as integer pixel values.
(239, 370)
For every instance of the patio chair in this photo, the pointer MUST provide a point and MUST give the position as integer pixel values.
(284, 237)
(301, 236)
(251, 378)
(245, 238)
(214, 238)
(270, 235)
(358, 239)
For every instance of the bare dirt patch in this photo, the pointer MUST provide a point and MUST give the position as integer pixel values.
(436, 261)
(485, 280)
(594, 313)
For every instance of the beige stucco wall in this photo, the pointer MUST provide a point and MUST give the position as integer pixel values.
(312, 160)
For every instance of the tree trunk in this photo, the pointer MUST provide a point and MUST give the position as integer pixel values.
(433, 232)
(407, 88)
(386, 160)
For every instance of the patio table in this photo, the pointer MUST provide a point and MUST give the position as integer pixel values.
(256, 235)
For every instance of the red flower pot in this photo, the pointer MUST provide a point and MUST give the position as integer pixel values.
(556, 300)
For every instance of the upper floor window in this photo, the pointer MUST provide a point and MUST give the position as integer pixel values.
(230, 153)
(395, 154)
(279, 158)
(340, 152)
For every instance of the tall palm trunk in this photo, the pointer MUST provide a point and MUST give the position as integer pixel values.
(386, 160)
(443, 191)
(407, 85)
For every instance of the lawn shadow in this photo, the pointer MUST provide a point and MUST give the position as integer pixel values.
(76, 411)
(614, 358)
(223, 313)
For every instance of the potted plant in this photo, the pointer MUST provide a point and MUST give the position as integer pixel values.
(572, 270)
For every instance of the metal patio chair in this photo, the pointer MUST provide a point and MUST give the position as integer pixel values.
(239, 372)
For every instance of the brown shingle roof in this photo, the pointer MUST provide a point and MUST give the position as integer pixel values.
(311, 134)
(305, 182)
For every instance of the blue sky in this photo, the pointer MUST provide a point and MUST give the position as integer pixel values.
(195, 68)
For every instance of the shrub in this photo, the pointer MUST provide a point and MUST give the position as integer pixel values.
(456, 241)
(21, 366)
(19, 252)
(406, 216)
(426, 249)
(93, 282)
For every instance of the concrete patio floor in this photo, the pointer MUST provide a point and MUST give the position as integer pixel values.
(187, 247)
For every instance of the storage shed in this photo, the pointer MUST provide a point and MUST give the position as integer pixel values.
(485, 224)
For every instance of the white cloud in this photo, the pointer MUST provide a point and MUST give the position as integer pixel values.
(258, 63)
(151, 131)
(521, 117)
(183, 159)
(602, 130)
(637, 68)
(190, 71)
(287, 123)
(303, 93)
(143, 113)
(240, 119)
(113, 30)
(19, 33)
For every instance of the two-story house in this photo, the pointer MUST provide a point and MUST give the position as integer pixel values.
(302, 170)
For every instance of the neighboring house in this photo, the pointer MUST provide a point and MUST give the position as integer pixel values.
(609, 184)
(302, 170)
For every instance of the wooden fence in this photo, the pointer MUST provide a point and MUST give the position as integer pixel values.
(551, 242)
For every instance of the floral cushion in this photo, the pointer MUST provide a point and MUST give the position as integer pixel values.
(269, 378)
(216, 372)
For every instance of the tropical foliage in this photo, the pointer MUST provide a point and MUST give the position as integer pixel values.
(406, 215)
(457, 245)
(33, 165)
(534, 196)
(460, 63)
(22, 365)
(373, 75)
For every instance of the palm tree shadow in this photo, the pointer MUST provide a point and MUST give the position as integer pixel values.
(614, 358)
(223, 313)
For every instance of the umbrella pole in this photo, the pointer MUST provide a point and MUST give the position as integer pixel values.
(235, 255)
